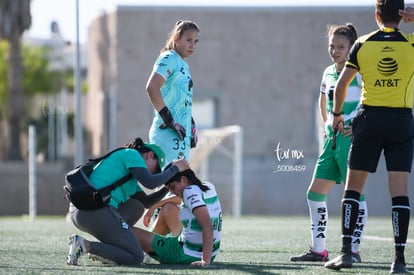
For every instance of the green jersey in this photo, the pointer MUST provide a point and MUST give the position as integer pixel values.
(351, 103)
(114, 167)
(191, 235)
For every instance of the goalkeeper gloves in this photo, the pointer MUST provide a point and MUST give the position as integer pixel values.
(194, 137)
(170, 123)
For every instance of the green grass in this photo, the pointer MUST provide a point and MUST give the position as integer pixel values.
(250, 245)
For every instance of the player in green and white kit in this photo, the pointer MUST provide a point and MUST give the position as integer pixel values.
(170, 90)
(331, 166)
(200, 213)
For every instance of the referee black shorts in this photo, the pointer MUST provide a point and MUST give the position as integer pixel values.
(377, 129)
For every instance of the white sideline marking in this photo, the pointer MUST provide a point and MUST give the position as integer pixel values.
(377, 238)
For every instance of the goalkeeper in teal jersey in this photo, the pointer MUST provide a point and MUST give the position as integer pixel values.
(331, 166)
(170, 90)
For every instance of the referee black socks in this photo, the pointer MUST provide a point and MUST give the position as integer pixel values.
(350, 208)
(400, 223)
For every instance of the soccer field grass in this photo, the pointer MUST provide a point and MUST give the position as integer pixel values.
(250, 245)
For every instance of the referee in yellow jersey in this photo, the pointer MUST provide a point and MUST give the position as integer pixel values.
(384, 123)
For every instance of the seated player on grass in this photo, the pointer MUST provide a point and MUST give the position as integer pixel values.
(200, 213)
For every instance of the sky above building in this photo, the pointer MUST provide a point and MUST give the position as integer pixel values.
(64, 11)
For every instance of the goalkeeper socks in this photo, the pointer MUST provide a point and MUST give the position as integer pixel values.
(349, 212)
(400, 223)
(360, 224)
(319, 219)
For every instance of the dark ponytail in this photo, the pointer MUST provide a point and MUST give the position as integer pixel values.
(353, 32)
(192, 178)
(138, 144)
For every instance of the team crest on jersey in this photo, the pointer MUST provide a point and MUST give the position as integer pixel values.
(168, 71)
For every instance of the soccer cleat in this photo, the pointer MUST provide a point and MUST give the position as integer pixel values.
(356, 258)
(311, 257)
(76, 249)
(398, 268)
(103, 260)
(147, 259)
(341, 261)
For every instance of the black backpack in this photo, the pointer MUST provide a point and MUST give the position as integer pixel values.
(79, 191)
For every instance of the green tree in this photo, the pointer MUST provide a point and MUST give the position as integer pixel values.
(15, 18)
(38, 79)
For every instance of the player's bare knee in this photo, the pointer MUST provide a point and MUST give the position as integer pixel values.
(169, 208)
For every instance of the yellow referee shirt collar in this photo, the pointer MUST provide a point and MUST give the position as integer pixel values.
(388, 29)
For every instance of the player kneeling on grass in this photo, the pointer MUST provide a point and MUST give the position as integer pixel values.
(200, 213)
(111, 225)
